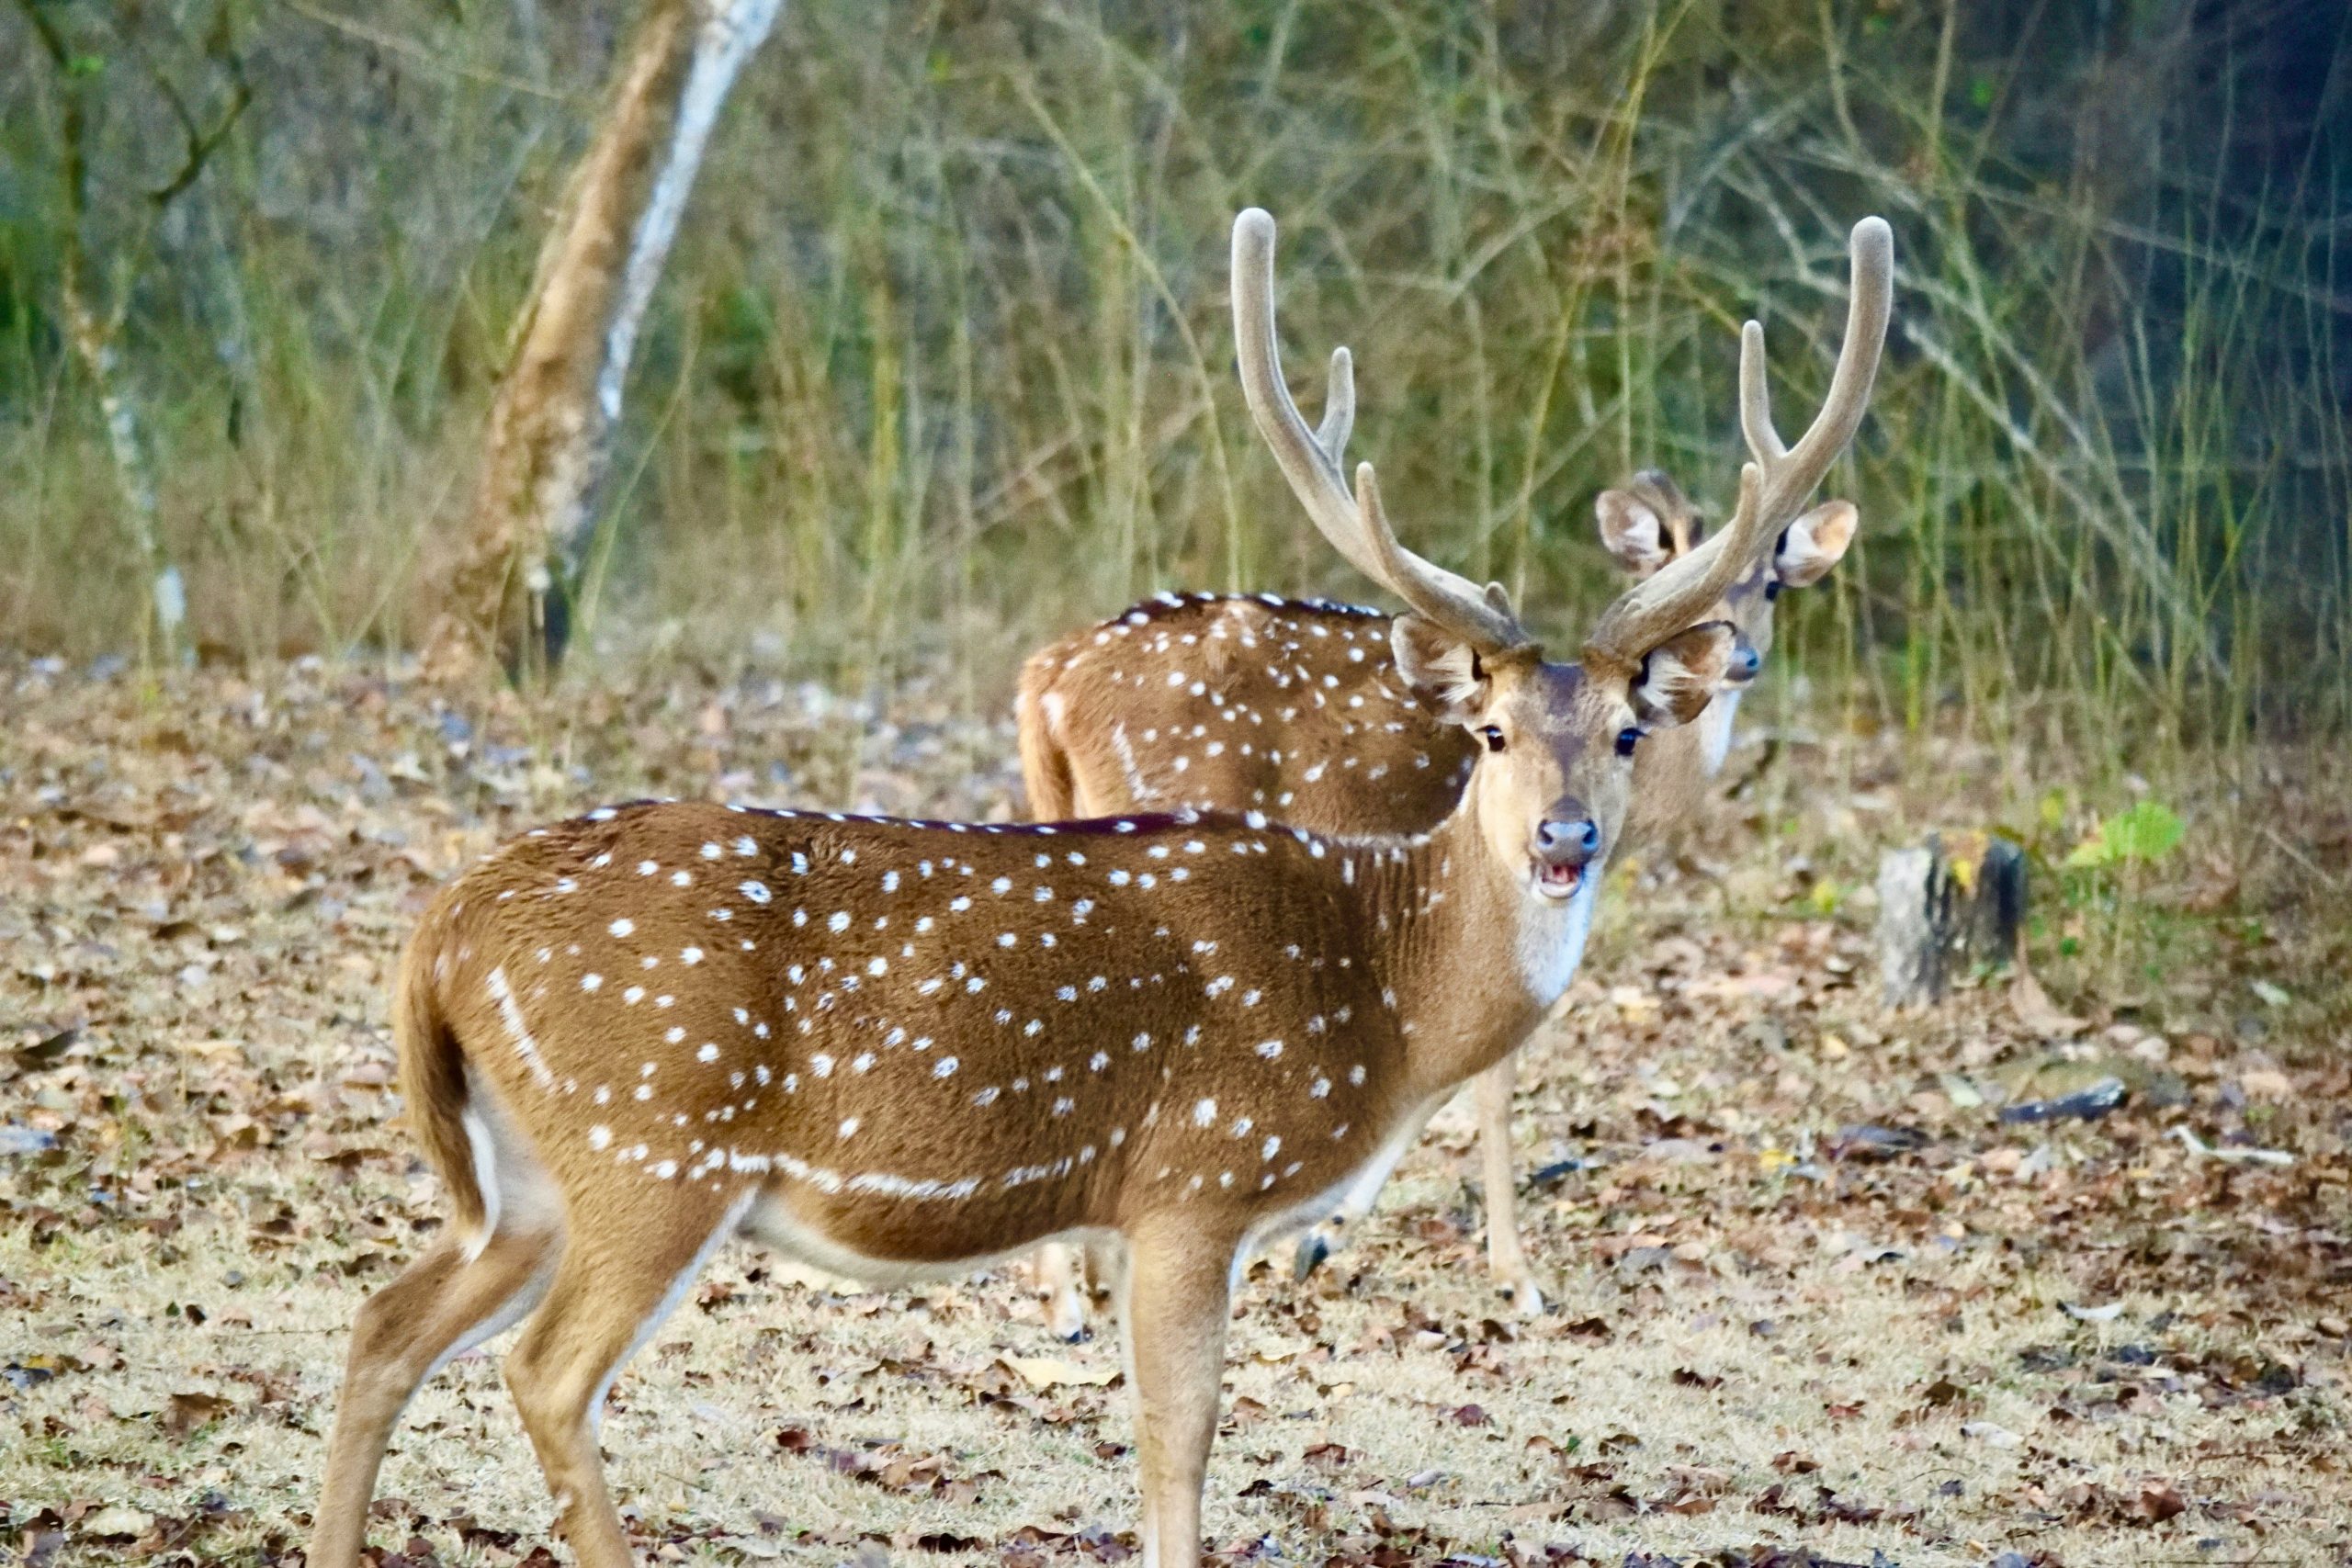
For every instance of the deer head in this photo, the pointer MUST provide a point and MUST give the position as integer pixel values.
(1555, 772)
(1651, 523)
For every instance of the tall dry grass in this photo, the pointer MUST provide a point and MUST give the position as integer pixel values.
(943, 365)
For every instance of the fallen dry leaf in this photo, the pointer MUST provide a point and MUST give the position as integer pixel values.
(120, 1521)
(1052, 1371)
(2037, 1014)
(187, 1412)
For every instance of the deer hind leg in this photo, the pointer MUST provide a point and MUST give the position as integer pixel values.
(1329, 1234)
(1106, 1264)
(1178, 1296)
(440, 1306)
(1506, 1258)
(613, 1289)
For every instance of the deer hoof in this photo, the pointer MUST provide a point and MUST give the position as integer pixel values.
(1313, 1248)
(1525, 1296)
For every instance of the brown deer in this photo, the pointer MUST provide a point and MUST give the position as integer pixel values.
(1295, 706)
(1650, 522)
(892, 1049)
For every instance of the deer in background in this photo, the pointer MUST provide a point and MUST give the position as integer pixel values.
(892, 1049)
(1650, 522)
(1296, 708)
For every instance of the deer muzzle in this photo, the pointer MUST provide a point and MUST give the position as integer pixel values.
(1563, 846)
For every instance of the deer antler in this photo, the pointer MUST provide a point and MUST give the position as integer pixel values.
(1776, 483)
(1356, 525)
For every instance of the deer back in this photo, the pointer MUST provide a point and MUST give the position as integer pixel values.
(1244, 701)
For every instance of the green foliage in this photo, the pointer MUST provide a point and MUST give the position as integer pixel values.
(2142, 835)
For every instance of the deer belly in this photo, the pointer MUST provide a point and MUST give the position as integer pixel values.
(887, 1230)
(1356, 1187)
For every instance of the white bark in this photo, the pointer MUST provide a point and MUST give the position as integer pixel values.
(167, 593)
(731, 31)
(1909, 957)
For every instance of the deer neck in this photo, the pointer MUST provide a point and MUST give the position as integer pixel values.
(1670, 775)
(1713, 731)
(1673, 771)
(1474, 958)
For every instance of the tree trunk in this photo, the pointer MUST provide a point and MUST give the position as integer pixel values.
(93, 331)
(549, 448)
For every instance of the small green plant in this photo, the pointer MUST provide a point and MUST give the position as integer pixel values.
(2143, 835)
(2104, 882)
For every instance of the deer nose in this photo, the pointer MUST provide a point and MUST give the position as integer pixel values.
(1570, 842)
(1744, 663)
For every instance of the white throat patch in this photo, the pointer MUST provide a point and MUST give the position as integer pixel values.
(1551, 940)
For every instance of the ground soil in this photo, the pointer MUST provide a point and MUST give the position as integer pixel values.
(1812, 1298)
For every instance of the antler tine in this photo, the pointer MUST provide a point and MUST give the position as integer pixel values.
(1311, 466)
(1871, 251)
(1338, 407)
(1310, 460)
(1803, 467)
(1756, 396)
(1779, 479)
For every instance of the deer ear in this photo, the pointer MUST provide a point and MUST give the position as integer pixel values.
(1632, 531)
(1440, 669)
(1814, 543)
(1680, 673)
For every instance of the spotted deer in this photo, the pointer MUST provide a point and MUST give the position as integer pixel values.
(1650, 522)
(1296, 708)
(898, 1048)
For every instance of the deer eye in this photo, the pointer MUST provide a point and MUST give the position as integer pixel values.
(1627, 738)
(1494, 738)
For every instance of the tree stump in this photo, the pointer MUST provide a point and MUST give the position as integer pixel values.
(1954, 902)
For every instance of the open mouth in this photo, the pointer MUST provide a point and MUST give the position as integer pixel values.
(1558, 881)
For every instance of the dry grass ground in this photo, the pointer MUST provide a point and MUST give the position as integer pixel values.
(1810, 1295)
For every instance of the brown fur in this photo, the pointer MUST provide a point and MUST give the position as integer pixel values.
(1301, 713)
(1311, 721)
(893, 1048)
(432, 1087)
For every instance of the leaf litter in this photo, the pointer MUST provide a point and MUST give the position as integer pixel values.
(1813, 1300)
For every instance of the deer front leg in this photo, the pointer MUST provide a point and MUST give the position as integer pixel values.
(1178, 1296)
(1506, 1258)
